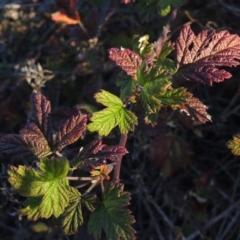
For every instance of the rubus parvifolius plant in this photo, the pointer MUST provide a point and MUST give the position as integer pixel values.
(146, 87)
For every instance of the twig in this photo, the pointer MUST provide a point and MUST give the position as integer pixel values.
(116, 173)
(234, 220)
(163, 37)
(163, 215)
(214, 220)
(154, 221)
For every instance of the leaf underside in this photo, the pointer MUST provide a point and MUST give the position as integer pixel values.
(96, 154)
(29, 144)
(201, 58)
(195, 109)
(71, 131)
(128, 60)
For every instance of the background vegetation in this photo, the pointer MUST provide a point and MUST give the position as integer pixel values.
(185, 185)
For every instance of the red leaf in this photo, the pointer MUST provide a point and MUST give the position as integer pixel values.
(71, 131)
(62, 17)
(29, 144)
(97, 153)
(200, 57)
(196, 110)
(126, 59)
(67, 12)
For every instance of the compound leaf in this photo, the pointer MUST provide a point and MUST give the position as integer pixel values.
(126, 59)
(234, 145)
(112, 216)
(202, 57)
(114, 115)
(71, 131)
(48, 183)
(29, 144)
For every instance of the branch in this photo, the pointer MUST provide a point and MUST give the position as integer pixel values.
(116, 173)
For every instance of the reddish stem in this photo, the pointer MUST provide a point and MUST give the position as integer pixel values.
(117, 168)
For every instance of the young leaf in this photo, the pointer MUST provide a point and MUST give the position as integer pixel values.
(195, 109)
(202, 57)
(47, 183)
(40, 114)
(71, 131)
(162, 60)
(142, 45)
(112, 216)
(154, 84)
(126, 59)
(29, 144)
(72, 218)
(114, 115)
(234, 145)
(97, 153)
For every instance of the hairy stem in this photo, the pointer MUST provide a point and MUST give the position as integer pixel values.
(117, 168)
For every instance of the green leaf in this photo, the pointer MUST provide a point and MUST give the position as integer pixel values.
(148, 8)
(32, 208)
(163, 62)
(112, 216)
(164, 11)
(114, 115)
(47, 183)
(234, 145)
(154, 84)
(175, 97)
(90, 201)
(126, 84)
(72, 218)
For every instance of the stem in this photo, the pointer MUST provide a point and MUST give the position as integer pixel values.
(117, 168)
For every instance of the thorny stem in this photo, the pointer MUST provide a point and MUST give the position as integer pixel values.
(117, 167)
(163, 37)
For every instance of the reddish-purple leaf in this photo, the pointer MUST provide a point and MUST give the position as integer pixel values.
(30, 144)
(126, 59)
(97, 153)
(196, 110)
(201, 57)
(71, 131)
(40, 114)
